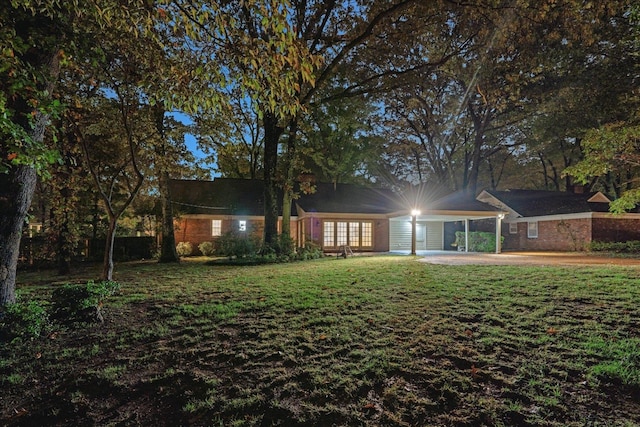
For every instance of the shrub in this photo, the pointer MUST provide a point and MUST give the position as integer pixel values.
(22, 319)
(310, 250)
(286, 245)
(233, 244)
(207, 248)
(479, 241)
(82, 302)
(184, 248)
(630, 247)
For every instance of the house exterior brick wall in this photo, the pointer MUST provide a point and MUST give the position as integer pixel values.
(616, 229)
(553, 235)
(196, 229)
(193, 230)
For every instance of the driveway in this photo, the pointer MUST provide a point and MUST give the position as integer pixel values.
(524, 258)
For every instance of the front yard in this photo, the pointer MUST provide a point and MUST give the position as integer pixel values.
(364, 341)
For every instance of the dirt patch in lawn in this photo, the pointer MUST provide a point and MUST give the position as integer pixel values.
(527, 258)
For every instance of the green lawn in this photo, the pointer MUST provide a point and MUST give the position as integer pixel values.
(364, 341)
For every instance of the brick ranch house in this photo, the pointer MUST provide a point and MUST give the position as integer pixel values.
(366, 219)
(379, 220)
(559, 221)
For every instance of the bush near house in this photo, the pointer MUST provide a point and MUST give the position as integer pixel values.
(207, 248)
(479, 241)
(184, 248)
(235, 245)
(630, 247)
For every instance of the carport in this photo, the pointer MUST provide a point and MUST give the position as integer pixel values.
(424, 228)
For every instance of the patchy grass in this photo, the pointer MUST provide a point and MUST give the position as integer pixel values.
(362, 341)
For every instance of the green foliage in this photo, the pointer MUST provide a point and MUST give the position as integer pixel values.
(238, 245)
(479, 241)
(630, 247)
(184, 248)
(22, 319)
(286, 245)
(309, 251)
(207, 248)
(82, 302)
(610, 150)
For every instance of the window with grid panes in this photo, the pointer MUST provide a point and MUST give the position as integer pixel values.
(341, 233)
(366, 236)
(354, 234)
(216, 227)
(329, 236)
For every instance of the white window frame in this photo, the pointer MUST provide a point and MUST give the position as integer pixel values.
(513, 228)
(532, 230)
(216, 227)
(242, 225)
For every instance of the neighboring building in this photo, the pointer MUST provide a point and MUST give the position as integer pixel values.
(560, 221)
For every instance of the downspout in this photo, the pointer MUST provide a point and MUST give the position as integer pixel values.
(466, 234)
(498, 233)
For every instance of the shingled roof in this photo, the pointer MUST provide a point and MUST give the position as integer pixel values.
(530, 203)
(228, 196)
(222, 196)
(461, 201)
(349, 198)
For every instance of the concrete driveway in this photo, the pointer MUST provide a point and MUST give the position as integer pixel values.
(523, 258)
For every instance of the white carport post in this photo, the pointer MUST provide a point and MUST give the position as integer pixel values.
(466, 234)
(498, 233)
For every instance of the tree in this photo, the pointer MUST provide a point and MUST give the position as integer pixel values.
(611, 160)
(339, 143)
(613, 149)
(254, 46)
(233, 139)
(367, 49)
(65, 190)
(30, 59)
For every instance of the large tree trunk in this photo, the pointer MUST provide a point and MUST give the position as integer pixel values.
(107, 266)
(16, 192)
(289, 182)
(18, 184)
(168, 251)
(272, 134)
